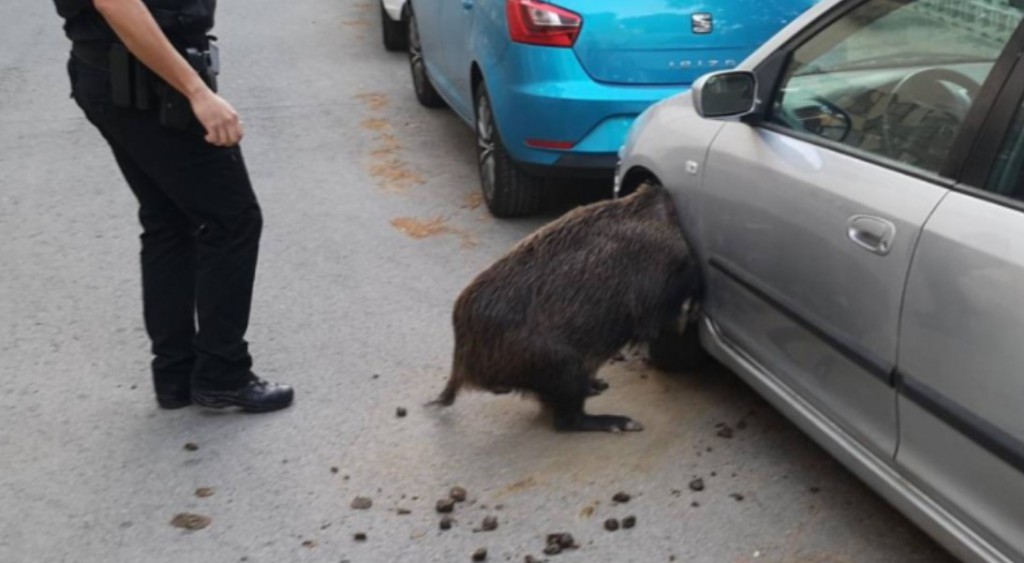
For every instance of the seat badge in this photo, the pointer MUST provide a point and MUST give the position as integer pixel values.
(701, 23)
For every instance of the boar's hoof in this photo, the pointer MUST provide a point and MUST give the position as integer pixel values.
(597, 423)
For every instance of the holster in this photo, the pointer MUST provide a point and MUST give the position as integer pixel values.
(133, 85)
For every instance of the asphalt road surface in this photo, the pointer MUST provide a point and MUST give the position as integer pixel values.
(373, 226)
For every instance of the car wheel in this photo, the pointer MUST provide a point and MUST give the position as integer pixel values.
(396, 38)
(677, 348)
(425, 92)
(508, 190)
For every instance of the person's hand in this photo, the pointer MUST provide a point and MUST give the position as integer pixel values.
(221, 121)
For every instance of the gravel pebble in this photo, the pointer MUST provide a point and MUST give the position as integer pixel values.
(553, 549)
(361, 503)
(188, 521)
(480, 554)
(458, 494)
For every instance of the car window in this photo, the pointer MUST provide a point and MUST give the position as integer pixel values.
(895, 78)
(1007, 176)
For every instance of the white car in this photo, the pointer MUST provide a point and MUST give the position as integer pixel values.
(392, 21)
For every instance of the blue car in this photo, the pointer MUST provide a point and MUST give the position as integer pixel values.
(552, 89)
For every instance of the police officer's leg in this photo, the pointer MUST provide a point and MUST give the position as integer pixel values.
(168, 260)
(168, 252)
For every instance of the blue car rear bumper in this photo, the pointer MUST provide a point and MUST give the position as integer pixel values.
(543, 94)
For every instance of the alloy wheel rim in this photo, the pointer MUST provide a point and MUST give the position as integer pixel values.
(416, 55)
(485, 146)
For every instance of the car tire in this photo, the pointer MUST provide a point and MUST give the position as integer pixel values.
(677, 348)
(508, 190)
(395, 36)
(425, 92)
(678, 351)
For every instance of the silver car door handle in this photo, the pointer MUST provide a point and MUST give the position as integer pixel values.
(873, 234)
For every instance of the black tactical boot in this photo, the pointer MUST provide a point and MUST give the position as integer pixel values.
(173, 399)
(255, 396)
(173, 392)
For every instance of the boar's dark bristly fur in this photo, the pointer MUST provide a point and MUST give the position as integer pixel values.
(545, 317)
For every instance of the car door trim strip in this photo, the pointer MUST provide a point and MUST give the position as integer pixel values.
(993, 439)
(875, 368)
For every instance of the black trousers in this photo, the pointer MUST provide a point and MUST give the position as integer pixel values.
(201, 226)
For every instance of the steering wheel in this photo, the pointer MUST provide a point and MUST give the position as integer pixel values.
(925, 88)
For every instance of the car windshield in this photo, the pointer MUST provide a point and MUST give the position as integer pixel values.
(896, 33)
(896, 60)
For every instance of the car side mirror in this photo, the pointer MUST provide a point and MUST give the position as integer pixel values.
(725, 94)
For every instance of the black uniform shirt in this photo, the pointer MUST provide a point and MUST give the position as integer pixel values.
(175, 17)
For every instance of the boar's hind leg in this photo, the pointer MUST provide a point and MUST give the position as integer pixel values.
(566, 394)
(597, 386)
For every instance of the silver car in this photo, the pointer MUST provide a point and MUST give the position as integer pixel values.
(854, 194)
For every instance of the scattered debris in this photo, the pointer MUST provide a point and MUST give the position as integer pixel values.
(376, 376)
(737, 496)
(445, 505)
(697, 484)
(359, 536)
(553, 549)
(446, 522)
(191, 446)
(815, 490)
(334, 469)
(400, 412)
(309, 544)
(404, 511)
(559, 542)
(695, 504)
(714, 474)
(725, 432)
(361, 503)
(611, 524)
(188, 521)
(621, 497)
(203, 492)
(531, 559)
(489, 524)
(628, 522)
(480, 554)
(458, 494)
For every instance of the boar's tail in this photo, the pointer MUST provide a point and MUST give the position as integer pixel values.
(447, 396)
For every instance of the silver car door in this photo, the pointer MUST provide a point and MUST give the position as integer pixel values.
(810, 219)
(961, 359)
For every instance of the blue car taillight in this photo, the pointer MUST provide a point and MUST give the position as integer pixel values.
(536, 23)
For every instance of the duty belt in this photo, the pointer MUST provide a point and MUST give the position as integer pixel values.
(97, 53)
